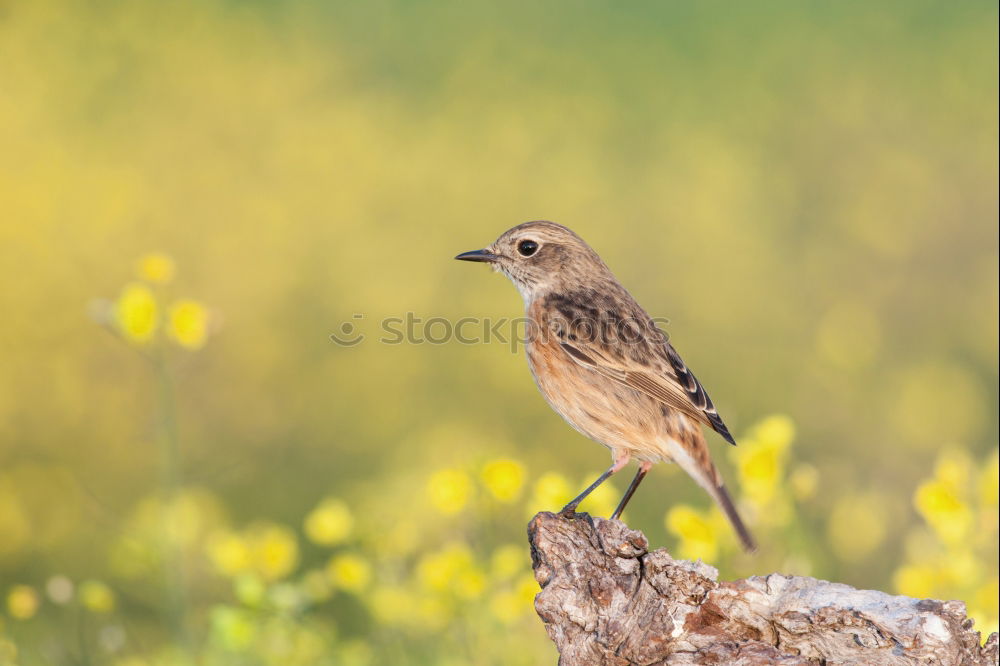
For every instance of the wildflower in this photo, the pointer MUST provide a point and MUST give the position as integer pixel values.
(760, 460)
(97, 596)
(229, 553)
(329, 523)
(232, 627)
(23, 602)
(137, 313)
(915, 580)
(503, 479)
(188, 323)
(941, 506)
(155, 267)
(437, 571)
(469, 584)
(448, 490)
(551, 492)
(249, 590)
(699, 536)
(349, 572)
(274, 550)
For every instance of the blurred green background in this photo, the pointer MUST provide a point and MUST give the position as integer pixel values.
(195, 195)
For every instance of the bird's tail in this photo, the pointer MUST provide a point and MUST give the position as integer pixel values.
(707, 476)
(720, 495)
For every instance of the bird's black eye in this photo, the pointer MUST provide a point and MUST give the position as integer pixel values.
(526, 248)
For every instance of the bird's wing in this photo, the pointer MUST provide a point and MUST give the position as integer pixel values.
(662, 375)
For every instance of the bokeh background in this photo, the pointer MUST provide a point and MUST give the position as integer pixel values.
(195, 195)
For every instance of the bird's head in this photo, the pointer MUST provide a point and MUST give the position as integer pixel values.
(541, 256)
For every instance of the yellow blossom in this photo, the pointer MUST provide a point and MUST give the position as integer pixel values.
(448, 490)
(760, 459)
(503, 479)
(137, 313)
(233, 627)
(804, 480)
(23, 602)
(329, 523)
(551, 493)
(915, 580)
(188, 323)
(438, 570)
(97, 596)
(698, 534)
(229, 553)
(274, 550)
(939, 504)
(526, 589)
(350, 572)
(156, 267)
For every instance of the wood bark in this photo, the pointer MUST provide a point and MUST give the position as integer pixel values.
(606, 599)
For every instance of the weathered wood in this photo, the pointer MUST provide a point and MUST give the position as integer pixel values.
(606, 599)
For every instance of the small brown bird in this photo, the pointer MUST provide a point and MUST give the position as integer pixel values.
(604, 366)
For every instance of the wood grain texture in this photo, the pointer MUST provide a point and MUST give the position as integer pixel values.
(606, 599)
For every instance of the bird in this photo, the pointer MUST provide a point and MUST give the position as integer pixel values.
(602, 364)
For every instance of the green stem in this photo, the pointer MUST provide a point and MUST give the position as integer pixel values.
(170, 487)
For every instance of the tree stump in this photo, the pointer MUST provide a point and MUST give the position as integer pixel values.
(606, 599)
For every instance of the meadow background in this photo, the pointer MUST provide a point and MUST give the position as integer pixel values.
(194, 195)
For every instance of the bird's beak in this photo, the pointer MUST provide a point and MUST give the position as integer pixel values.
(478, 255)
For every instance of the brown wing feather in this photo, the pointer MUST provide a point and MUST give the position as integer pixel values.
(676, 387)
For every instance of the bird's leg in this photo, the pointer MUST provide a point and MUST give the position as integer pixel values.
(570, 508)
(643, 468)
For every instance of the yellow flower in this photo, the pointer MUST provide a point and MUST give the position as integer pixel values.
(776, 430)
(97, 596)
(229, 553)
(448, 490)
(603, 500)
(551, 493)
(760, 459)
(136, 313)
(504, 479)
(274, 551)
(349, 572)
(942, 508)
(329, 523)
(23, 602)
(698, 534)
(188, 323)
(438, 570)
(234, 627)
(915, 580)
(527, 588)
(156, 267)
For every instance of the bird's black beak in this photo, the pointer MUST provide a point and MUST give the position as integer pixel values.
(478, 255)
